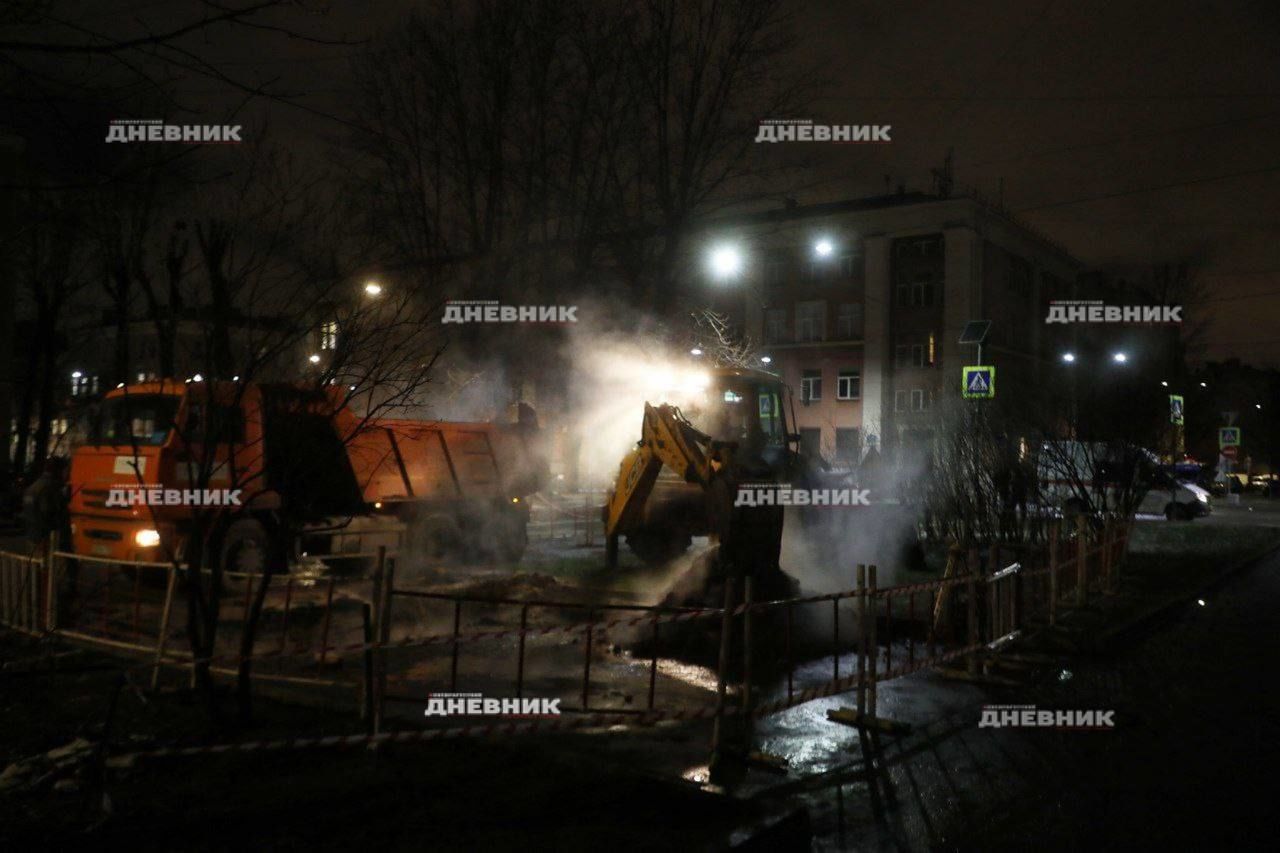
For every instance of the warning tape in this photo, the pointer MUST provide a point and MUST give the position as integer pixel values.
(545, 725)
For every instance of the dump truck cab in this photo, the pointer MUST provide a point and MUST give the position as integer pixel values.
(283, 457)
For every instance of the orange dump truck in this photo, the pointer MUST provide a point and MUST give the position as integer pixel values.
(283, 457)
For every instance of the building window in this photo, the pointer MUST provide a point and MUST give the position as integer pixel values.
(903, 292)
(848, 445)
(811, 321)
(919, 400)
(922, 291)
(811, 386)
(849, 321)
(848, 385)
(932, 351)
(848, 265)
(775, 271)
(329, 335)
(902, 355)
(775, 325)
(899, 401)
(82, 385)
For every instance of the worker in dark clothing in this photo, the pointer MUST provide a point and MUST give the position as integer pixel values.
(44, 507)
(45, 513)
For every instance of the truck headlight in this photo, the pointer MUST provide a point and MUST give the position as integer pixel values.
(147, 538)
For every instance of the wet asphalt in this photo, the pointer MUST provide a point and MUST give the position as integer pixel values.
(1190, 764)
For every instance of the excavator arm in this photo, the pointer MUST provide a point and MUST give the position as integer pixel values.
(667, 438)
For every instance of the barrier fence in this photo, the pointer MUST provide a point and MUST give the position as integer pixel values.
(347, 628)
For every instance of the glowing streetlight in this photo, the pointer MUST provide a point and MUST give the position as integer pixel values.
(314, 359)
(764, 359)
(372, 288)
(75, 374)
(1257, 405)
(1204, 384)
(823, 248)
(1068, 357)
(1164, 383)
(726, 261)
(1119, 358)
(197, 378)
(696, 351)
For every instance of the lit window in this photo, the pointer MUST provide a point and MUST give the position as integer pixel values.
(329, 334)
(811, 386)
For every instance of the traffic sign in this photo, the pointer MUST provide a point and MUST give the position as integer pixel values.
(1230, 452)
(1175, 410)
(1228, 436)
(979, 382)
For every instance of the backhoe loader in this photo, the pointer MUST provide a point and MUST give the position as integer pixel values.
(683, 477)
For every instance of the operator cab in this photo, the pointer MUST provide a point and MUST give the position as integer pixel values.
(745, 407)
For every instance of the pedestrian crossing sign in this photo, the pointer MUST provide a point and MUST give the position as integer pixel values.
(979, 382)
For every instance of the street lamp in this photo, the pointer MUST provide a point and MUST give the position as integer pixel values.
(372, 288)
(1204, 384)
(1164, 383)
(823, 248)
(696, 351)
(1119, 358)
(1068, 357)
(726, 261)
(764, 359)
(314, 359)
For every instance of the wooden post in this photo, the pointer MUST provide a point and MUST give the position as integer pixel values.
(366, 694)
(324, 630)
(862, 638)
(384, 634)
(653, 662)
(971, 611)
(1106, 558)
(1053, 573)
(51, 587)
(872, 648)
(163, 637)
(524, 626)
(586, 660)
(1082, 560)
(748, 593)
(453, 662)
(722, 669)
(994, 628)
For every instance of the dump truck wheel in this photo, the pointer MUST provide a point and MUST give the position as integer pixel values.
(246, 550)
(658, 546)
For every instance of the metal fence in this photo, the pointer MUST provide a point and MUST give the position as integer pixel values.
(394, 644)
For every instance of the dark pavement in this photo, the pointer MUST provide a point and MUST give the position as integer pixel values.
(1190, 764)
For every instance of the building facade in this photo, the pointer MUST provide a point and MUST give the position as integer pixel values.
(860, 306)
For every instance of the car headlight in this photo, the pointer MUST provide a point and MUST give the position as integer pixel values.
(1202, 497)
(147, 538)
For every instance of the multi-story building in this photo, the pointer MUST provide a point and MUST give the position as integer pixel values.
(860, 306)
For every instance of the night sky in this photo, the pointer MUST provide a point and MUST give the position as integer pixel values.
(1132, 133)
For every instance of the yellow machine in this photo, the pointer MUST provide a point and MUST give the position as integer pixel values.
(682, 478)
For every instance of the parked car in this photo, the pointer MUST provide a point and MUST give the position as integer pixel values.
(1075, 475)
